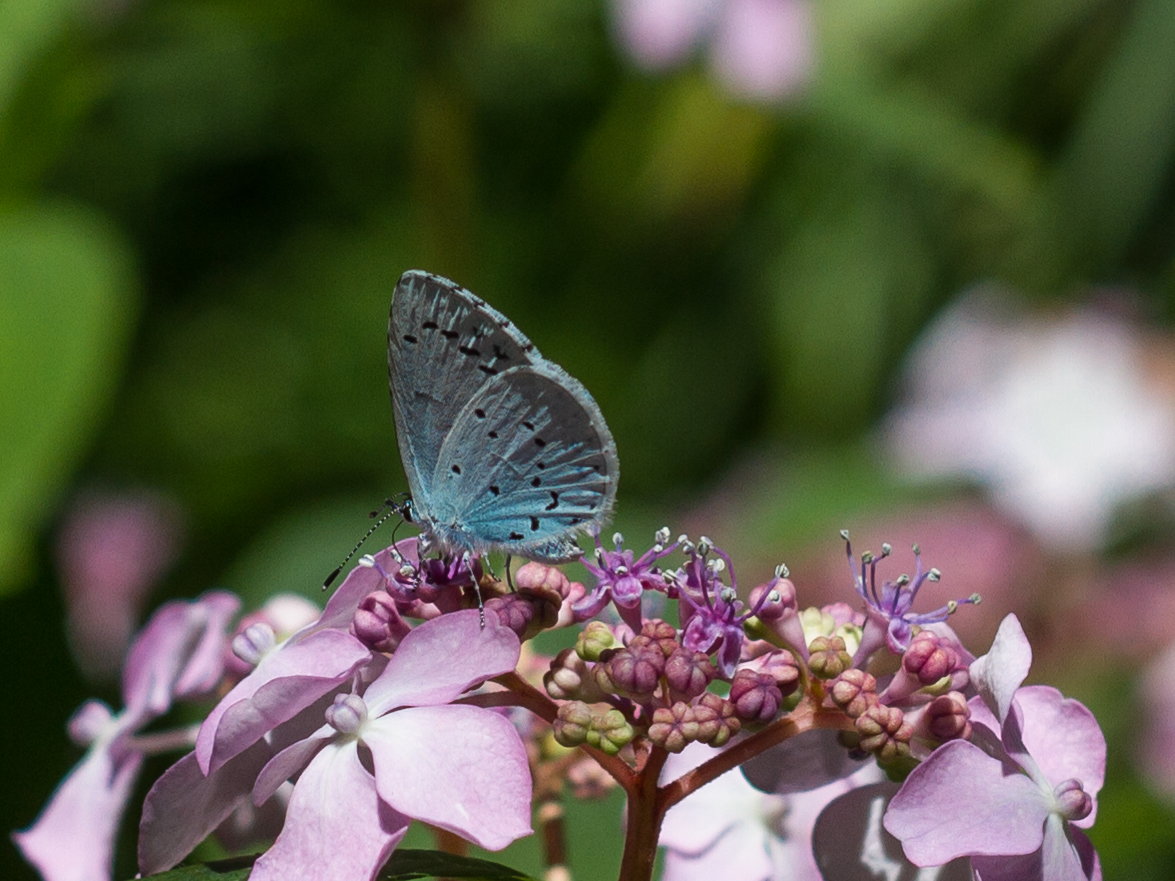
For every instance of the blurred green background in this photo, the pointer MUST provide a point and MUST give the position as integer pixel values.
(204, 207)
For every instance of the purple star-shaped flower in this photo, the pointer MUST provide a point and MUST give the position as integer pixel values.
(1015, 798)
(888, 607)
(622, 579)
(712, 615)
(459, 767)
(178, 654)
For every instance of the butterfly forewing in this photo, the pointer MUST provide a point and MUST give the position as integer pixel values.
(444, 344)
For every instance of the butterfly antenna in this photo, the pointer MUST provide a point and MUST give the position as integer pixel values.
(388, 509)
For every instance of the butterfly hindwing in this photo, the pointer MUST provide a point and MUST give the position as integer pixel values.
(528, 464)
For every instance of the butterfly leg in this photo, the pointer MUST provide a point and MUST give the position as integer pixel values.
(467, 559)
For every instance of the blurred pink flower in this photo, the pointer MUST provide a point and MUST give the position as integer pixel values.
(730, 830)
(112, 549)
(1156, 746)
(760, 49)
(1058, 417)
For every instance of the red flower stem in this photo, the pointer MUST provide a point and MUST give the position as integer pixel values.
(527, 696)
(646, 810)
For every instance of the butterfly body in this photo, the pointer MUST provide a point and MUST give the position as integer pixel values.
(503, 449)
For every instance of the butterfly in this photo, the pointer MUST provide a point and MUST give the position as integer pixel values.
(503, 449)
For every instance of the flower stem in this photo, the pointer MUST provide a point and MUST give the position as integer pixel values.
(646, 810)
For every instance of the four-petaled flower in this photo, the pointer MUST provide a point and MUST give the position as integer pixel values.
(622, 579)
(179, 654)
(1016, 796)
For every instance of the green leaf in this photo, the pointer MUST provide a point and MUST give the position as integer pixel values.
(407, 864)
(234, 869)
(25, 28)
(66, 311)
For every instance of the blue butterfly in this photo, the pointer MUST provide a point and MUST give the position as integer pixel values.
(503, 450)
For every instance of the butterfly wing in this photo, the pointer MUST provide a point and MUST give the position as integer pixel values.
(528, 463)
(444, 344)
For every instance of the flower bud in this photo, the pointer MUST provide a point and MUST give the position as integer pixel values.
(717, 722)
(780, 666)
(572, 724)
(610, 732)
(755, 696)
(347, 714)
(688, 674)
(1073, 801)
(570, 678)
(947, 718)
(674, 728)
(929, 658)
(884, 732)
(827, 657)
(88, 722)
(254, 642)
(541, 578)
(594, 639)
(854, 691)
(637, 670)
(514, 611)
(659, 633)
(377, 623)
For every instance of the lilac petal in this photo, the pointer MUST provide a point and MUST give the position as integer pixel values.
(1059, 859)
(337, 829)
(694, 824)
(286, 681)
(184, 806)
(730, 651)
(360, 581)
(73, 839)
(961, 802)
(443, 658)
(1064, 739)
(289, 762)
(205, 666)
(744, 852)
(162, 649)
(458, 767)
(850, 843)
(592, 604)
(807, 761)
(1001, 671)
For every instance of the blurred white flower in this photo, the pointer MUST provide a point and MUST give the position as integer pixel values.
(730, 830)
(1057, 417)
(762, 50)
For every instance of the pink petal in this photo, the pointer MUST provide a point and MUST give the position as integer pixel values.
(360, 581)
(1001, 671)
(659, 33)
(764, 49)
(961, 802)
(1059, 859)
(205, 665)
(1064, 739)
(184, 806)
(458, 767)
(289, 762)
(443, 658)
(73, 839)
(337, 829)
(744, 853)
(287, 680)
(799, 764)
(694, 824)
(164, 647)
